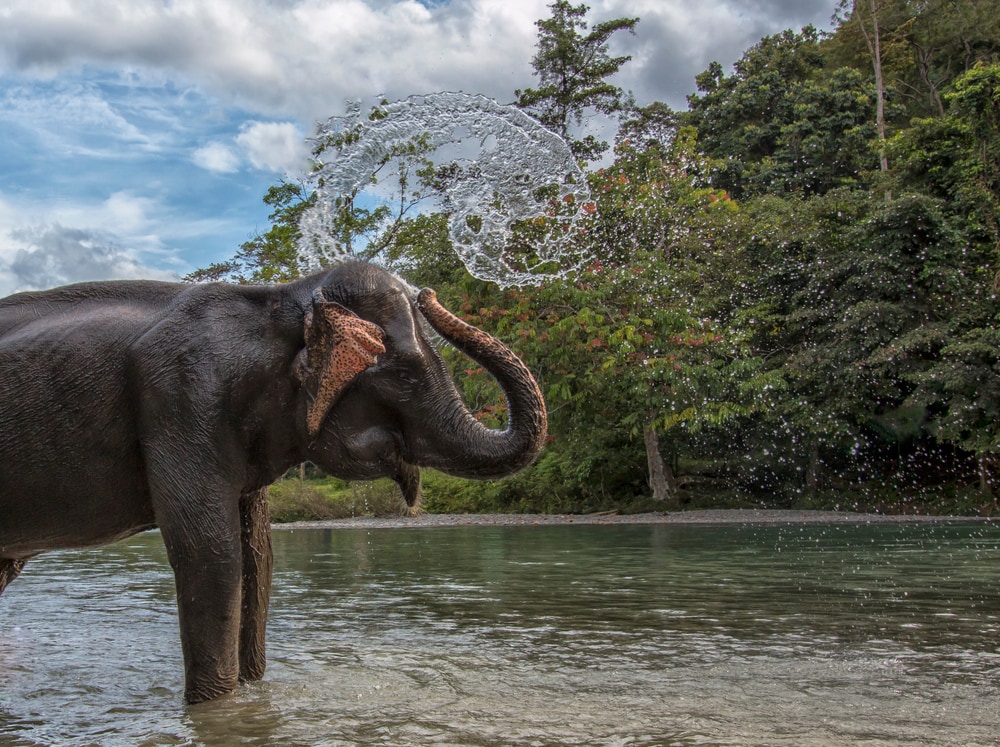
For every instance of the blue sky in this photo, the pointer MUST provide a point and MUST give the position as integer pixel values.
(138, 136)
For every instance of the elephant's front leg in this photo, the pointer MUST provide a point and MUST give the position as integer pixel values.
(255, 531)
(202, 535)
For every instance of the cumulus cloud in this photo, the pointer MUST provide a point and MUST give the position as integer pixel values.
(56, 255)
(274, 146)
(304, 58)
(115, 238)
(217, 157)
(164, 105)
(676, 40)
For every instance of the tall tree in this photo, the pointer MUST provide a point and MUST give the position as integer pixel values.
(957, 159)
(573, 67)
(387, 230)
(782, 123)
(865, 14)
(271, 256)
(924, 46)
(628, 360)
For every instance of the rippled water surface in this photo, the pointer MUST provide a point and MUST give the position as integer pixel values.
(585, 635)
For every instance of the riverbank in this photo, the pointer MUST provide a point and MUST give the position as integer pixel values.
(708, 516)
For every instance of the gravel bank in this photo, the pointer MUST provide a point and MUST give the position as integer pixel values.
(712, 516)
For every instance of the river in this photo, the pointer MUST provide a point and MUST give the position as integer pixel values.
(534, 635)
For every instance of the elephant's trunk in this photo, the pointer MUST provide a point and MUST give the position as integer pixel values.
(466, 447)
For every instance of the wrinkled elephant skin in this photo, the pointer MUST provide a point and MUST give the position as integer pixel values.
(129, 405)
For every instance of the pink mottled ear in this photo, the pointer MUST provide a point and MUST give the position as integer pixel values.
(339, 346)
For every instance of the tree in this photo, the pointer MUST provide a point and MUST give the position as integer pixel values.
(824, 143)
(573, 70)
(862, 297)
(650, 126)
(389, 229)
(956, 158)
(865, 13)
(739, 118)
(924, 46)
(631, 366)
(271, 256)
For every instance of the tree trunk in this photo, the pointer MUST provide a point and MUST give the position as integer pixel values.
(874, 44)
(812, 475)
(923, 59)
(661, 479)
(880, 89)
(986, 475)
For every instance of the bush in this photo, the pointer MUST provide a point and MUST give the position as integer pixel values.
(298, 500)
(443, 494)
(294, 499)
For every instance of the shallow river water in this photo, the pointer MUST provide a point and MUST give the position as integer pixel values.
(581, 635)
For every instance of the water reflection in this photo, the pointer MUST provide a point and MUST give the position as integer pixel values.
(637, 635)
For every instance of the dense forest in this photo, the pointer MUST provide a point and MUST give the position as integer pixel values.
(794, 297)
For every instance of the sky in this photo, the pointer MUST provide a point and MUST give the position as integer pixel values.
(137, 137)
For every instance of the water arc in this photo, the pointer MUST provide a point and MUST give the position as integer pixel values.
(502, 169)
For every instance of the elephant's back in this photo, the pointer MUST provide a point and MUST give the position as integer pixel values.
(69, 449)
(63, 305)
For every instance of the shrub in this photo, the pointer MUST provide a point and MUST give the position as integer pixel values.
(295, 499)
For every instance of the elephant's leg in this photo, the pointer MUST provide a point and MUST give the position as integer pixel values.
(202, 536)
(9, 568)
(255, 526)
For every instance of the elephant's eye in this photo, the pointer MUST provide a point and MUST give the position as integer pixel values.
(403, 371)
(409, 377)
(409, 368)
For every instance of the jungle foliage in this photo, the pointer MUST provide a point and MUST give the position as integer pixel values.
(794, 294)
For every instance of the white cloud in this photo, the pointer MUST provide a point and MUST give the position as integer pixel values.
(303, 58)
(56, 255)
(130, 98)
(115, 238)
(676, 40)
(274, 146)
(125, 214)
(71, 117)
(216, 157)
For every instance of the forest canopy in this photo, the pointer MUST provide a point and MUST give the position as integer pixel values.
(794, 296)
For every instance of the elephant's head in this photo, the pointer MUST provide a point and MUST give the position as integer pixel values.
(380, 402)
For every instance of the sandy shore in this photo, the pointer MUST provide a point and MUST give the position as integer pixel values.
(712, 516)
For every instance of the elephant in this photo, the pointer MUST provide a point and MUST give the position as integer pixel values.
(129, 405)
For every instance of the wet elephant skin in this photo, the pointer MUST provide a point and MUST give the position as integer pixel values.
(128, 405)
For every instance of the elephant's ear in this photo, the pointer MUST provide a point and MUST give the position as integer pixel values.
(339, 346)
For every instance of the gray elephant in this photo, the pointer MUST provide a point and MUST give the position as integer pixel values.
(130, 405)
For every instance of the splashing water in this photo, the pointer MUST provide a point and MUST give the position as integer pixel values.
(494, 168)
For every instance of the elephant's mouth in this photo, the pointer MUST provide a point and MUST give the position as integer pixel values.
(408, 478)
(368, 454)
